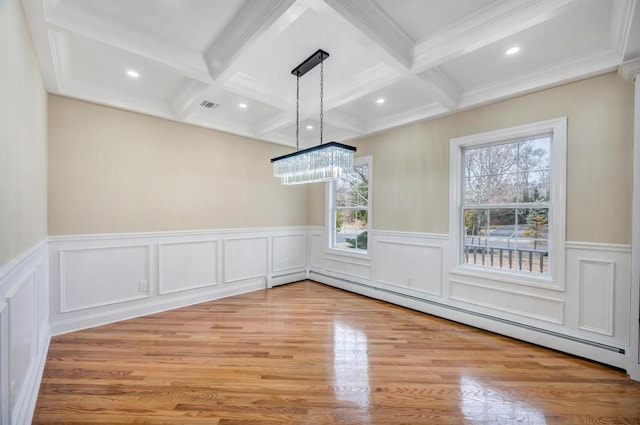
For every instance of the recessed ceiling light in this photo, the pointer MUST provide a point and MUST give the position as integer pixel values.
(243, 106)
(133, 74)
(380, 101)
(309, 127)
(512, 50)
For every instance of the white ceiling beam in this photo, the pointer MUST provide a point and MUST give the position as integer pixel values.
(253, 26)
(374, 28)
(494, 23)
(443, 89)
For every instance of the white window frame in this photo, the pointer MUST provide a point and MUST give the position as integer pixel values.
(557, 220)
(330, 215)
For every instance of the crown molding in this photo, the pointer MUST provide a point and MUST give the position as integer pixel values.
(629, 70)
(60, 57)
(620, 27)
(432, 110)
(572, 69)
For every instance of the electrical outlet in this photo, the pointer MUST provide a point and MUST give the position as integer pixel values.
(143, 286)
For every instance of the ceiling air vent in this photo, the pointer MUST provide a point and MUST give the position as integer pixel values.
(209, 105)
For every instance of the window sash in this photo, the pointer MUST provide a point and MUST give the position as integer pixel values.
(554, 196)
(335, 209)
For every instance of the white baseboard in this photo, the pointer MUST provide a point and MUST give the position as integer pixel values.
(634, 371)
(288, 278)
(471, 318)
(100, 279)
(117, 314)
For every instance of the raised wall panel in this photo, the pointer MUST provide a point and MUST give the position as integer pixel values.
(289, 253)
(187, 265)
(22, 336)
(348, 267)
(94, 277)
(315, 260)
(521, 304)
(416, 266)
(597, 280)
(245, 258)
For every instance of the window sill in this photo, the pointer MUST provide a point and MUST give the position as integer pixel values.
(513, 277)
(362, 255)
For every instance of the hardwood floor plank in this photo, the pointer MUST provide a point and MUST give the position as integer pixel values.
(306, 353)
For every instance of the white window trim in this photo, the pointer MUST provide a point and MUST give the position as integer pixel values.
(330, 221)
(558, 127)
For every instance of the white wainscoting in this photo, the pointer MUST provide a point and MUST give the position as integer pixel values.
(24, 333)
(289, 253)
(99, 279)
(408, 262)
(183, 266)
(587, 314)
(245, 258)
(99, 276)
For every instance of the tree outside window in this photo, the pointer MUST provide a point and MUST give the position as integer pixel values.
(351, 209)
(506, 204)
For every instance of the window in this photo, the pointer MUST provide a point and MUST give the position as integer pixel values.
(349, 208)
(508, 199)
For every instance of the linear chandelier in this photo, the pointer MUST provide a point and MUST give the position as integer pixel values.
(320, 163)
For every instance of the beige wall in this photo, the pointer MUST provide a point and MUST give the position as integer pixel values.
(23, 138)
(113, 171)
(411, 163)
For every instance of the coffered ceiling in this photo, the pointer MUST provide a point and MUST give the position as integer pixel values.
(425, 58)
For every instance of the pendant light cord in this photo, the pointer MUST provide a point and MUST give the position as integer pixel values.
(321, 97)
(297, 112)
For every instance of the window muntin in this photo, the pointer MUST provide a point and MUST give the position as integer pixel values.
(350, 209)
(506, 204)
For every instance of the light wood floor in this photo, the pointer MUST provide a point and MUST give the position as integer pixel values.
(309, 354)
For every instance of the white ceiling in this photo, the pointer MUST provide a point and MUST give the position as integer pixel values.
(426, 58)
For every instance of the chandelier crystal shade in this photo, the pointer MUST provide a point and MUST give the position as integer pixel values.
(317, 164)
(320, 163)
